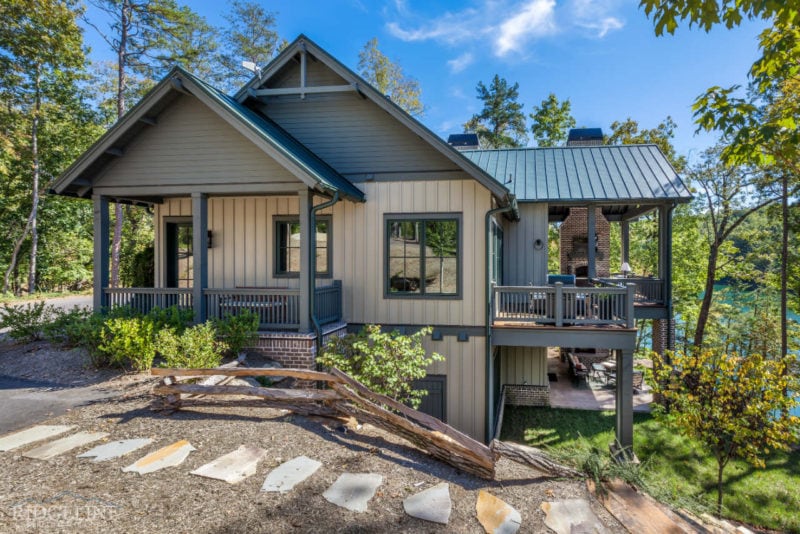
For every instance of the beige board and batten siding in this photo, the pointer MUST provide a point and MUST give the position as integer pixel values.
(465, 368)
(358, 256)
(523, 263)
(190, 149)
(243, 241)
(523, 365)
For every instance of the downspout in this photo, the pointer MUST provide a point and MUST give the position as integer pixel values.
(313, 278)
(511, 207)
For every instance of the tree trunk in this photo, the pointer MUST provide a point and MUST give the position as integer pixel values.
(720, 467)
(784, 262)
(121, 87)
(35, 187)
(705, 307)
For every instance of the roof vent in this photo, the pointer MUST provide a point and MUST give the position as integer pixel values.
(467, 141)
(585, 137)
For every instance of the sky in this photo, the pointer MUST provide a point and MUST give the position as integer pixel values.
(601, 54)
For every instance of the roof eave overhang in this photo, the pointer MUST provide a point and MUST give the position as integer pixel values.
(303, 43)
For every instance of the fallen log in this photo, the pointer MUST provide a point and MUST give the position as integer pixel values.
(273, 394)
(533, 457)
(302, 374)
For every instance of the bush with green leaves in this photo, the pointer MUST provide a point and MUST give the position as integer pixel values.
(238, 330)
(67, 327)
(195, 348)
(129, 341)
(386, 363)
(26, 322)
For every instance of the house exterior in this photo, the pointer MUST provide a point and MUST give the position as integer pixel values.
(313, 200)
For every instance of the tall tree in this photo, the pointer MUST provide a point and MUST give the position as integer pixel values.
(387, 77)
(627, 132)
(501, 122)
(249, 36)
(42, 53)
(727, 192)
(147, 36)
(551, 121)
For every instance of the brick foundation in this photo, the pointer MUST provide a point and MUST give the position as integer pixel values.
(573, 242)
(663, 335)
(527, 395)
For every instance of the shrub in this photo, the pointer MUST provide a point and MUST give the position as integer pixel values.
(239, 331)
(173, 317)
(128, 341)
(385, 363)
(26, 322)
(196, 348)
(67, 327)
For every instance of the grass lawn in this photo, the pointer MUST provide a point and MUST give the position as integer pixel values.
(675, 469)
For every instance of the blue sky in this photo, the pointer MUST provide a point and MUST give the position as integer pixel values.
(601, 54)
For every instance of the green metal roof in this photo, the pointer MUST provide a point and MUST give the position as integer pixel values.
(584, 173)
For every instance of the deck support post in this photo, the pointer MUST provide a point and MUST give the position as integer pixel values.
(101, 236)
(665, 264)
(625, 239)
(199, 255)
(307, 235)
(591, 243)
(559, 304)
(624, 403)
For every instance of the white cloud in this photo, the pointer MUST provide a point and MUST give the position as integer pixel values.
(596, 15)
(461, 62)
(536, 19)
(449, 28)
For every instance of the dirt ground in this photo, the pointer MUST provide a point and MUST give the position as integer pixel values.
(67, 494)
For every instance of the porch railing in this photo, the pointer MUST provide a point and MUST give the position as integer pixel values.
(277, 309)
(144, 299)
(648, 290)
(563, 306)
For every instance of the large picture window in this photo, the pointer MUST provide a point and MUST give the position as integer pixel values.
(423, 255)
(287, 246)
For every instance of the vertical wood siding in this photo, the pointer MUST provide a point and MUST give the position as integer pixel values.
(192, 145)
(522, 264)
(523, 365)
(358, 256)
(464, 366)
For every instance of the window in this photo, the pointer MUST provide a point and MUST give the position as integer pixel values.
(422, 256)
(180, 265)
(287, 246)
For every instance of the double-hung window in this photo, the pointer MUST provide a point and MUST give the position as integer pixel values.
(287, 246)
(423, 255)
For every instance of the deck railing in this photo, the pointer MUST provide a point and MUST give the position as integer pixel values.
(277, 309)
(558, 305)
(144, 299)
(648, 290)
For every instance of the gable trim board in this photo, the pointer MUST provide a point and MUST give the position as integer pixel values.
(262, 132)
(304, 45)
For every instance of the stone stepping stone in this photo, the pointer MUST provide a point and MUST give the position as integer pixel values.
(289, 474)
(353, 490)
(60, 446)
(496, 516)
(234, 466)
(169, 456)
(433, 504)
(572, 516)
(115, 449)
(31, 435)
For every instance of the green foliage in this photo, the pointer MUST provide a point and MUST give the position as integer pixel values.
(627, 132)
(239, 330)
(128, 341)
(386, 363)
(26, 322)
(172, 317)
(737, 406)
(196, 348)
(551, 121)
(708, 13)
(501, 122)
(387, 77)
(67, 327)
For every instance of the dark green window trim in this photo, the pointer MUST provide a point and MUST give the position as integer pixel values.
(279, 255)
(420, 290)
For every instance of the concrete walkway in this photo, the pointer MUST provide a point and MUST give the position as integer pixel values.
(591, 395)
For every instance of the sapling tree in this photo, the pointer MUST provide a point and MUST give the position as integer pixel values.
(386, 363)
(735, 405)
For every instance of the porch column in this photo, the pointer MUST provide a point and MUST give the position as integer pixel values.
(665, 262)
(624, 401)
(199, 254)
(101, 224)
(625, 238)
(591, 270)
(305, 198)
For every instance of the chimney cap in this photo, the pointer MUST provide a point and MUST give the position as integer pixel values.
(585, 137)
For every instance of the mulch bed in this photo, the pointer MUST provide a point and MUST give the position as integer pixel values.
(67, 489)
